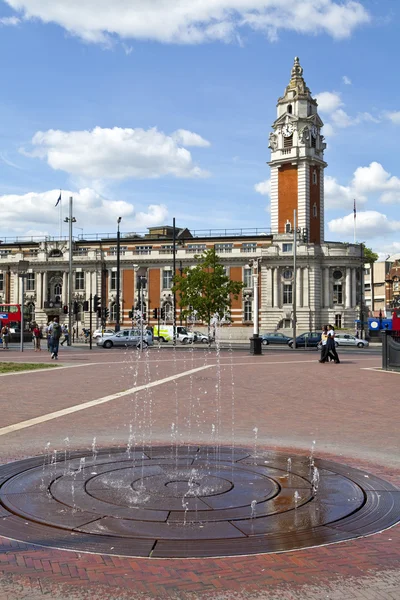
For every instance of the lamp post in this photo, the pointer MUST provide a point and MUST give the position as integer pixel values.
(173, 276)
(294, 288)
(117, 320)
(23, 266)
(70, 220)
(255, 341)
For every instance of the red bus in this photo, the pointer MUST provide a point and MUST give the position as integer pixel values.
(10, 315)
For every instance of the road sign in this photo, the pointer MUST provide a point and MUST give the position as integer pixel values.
(3, 316)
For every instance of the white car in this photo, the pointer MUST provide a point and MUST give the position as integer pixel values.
(100, 333)
(346, 339)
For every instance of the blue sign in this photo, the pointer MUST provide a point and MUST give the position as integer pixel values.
(3, 316)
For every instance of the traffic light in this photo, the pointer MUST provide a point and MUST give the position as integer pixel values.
(65, 309)
(162, 313)
(76, 308)
(106, 313)
(155, 313)
(86, 306)
(96, 303)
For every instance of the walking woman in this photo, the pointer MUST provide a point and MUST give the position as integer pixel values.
(330, 344)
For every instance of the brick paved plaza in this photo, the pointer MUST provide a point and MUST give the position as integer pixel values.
(350, 410)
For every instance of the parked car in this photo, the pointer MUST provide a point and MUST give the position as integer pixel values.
(346, 339)
(275, 338)
(126, 337)
(102, 333)
(200, 337)
(310, 339)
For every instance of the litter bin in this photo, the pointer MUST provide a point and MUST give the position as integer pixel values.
(255, 345)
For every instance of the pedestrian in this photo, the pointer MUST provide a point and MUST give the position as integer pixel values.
(331, 345)
(54, 338)
(5, 336)
(66, 335)
(36, 338)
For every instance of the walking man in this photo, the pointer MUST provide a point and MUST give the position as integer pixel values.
(5, 336)
(54, 338)
(66, 335)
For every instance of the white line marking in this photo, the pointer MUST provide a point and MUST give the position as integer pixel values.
(78, 407)
(379, 370)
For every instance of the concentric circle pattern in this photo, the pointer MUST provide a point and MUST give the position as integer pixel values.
(167, 502)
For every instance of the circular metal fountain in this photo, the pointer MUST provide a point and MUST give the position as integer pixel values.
(167, 502)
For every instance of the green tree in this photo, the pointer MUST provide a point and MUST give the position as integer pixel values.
(371, 257)
(206, 289)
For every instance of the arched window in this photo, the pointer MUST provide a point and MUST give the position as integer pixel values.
(30, 312)
(169, 313)
(314, 210)
(288, 142)
(314, 177)
(79, 314)
(58, 289)
(290, 109)
(247, 310)
(55, 253)
(288, 227)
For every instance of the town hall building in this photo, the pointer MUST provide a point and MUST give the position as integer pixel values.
(291, 262)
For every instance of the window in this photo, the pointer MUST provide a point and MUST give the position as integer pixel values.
(79, 314)
(113, 311)
(113, 280)
(367, 271)
(247, 277)
(338, 321)
(55, 253)
(30, 311)
(30, 282)
(313, 142)
(166, 249)
(249, 247)
(314, 210)
(32, 252)
(80, 281)
(290, 109)
(314, 175)
(114, 250)
(288, 227)
(287, 274)
(167, 279)
(337, 274)
(58, 289)
(143, 249)
(220, 248)
(287, 248)
(247, 310)
(4, 253)
(287, 293)
(195, 248)
(81, 251)
(168, 311)
(288, 142)
(337, 293)
(1, 282)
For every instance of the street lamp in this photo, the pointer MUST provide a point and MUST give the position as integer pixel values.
(117, 320)
(23, 266)
(255, 341)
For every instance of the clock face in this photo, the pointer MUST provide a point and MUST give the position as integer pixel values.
(314, 131)
(287, 129)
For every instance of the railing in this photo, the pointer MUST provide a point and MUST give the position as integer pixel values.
(390, 350)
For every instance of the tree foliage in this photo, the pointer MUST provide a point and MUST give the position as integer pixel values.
(205, 289)
(370, 256)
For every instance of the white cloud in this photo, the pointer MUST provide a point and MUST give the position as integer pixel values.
(328, 130)
(374, 179)
(337, 195)
(9, 21)
(346, 80)
(370, 223)
(264, 187)
(194, 22)
(36, 211)
(394, 116)
(328, 102)
(188, 138)
(115, 153)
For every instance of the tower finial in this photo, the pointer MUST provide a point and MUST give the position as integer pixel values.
(297, 69)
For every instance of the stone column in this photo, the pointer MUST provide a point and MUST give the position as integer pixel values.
(39, 296)
(306, 295)
(44, 297)
(15, 277)
(65, 289)
(354, 287)
(269, 287)
(348, 288)
(326, 288)
(299, 287)
(276, 288)
(87, 284)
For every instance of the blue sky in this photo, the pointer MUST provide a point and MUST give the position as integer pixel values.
(152, 113)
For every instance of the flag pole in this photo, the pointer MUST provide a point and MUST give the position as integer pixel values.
(355, 221)
(61, 221)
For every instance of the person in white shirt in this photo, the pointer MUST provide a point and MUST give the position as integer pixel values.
(331, 346)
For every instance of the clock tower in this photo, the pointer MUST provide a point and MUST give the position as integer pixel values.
(297, 162)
